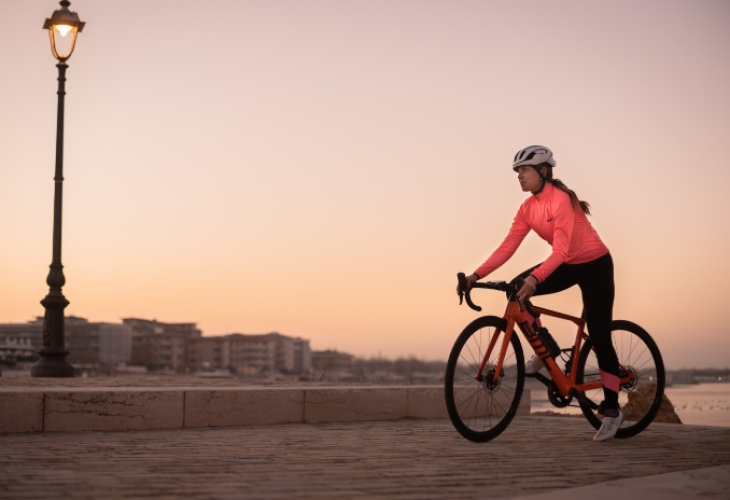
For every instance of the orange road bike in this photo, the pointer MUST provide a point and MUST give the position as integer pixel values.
(485, 374)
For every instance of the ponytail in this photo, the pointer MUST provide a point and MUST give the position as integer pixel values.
(583, 205)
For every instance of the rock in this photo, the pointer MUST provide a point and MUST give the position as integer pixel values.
(641, 398)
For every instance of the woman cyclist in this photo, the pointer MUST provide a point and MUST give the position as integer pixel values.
(578, 257)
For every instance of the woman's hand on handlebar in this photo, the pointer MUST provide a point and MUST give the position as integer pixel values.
(529, 285)
(470, 280)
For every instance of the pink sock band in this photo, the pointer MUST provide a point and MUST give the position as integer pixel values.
(611, 382)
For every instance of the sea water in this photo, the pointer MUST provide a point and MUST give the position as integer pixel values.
(701, 404)
(695, 404)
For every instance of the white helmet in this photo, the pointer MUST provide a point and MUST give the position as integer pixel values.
(533, 155)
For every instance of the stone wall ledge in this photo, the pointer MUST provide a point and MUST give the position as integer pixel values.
(74, 409)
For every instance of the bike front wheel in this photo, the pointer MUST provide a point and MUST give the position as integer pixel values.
(640, 399)
(481, 407)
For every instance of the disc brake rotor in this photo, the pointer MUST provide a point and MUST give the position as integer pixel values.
(489, 382)
(634, 378)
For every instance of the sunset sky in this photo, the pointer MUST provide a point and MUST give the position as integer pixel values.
(324, 168)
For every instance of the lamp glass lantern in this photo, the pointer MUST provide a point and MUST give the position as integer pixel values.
(63, 27)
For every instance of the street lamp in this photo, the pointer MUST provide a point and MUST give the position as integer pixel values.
(63, 27)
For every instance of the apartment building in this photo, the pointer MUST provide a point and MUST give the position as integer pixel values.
(160, 346)
(92, 343)
(207, 353)
(20, 341)
(251, 354)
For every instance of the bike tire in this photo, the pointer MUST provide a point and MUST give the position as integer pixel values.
(640, 401)
(480, 410)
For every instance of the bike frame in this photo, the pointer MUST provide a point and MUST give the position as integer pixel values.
(565, 384)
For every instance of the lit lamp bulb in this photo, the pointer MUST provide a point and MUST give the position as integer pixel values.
(63, 29)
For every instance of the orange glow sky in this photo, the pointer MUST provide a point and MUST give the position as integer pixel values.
(325, 168)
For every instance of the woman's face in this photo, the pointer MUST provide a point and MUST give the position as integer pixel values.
(529, 179)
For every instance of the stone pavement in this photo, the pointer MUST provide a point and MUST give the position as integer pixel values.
(536, 457)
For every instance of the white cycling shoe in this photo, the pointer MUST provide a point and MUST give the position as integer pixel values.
(533, 366)
(609, 427)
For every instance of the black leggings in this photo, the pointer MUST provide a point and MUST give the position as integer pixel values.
(595, 279)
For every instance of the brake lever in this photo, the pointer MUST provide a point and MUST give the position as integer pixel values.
(464, 293)
(462, 286)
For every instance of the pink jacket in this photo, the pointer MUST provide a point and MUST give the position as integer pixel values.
(551, 215)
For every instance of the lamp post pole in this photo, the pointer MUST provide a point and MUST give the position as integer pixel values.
(52, 362)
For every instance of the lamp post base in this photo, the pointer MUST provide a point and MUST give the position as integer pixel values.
(53, 354)
(53, 363)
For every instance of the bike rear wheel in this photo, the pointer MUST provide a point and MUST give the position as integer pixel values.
(480, 409)
(641, 399)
